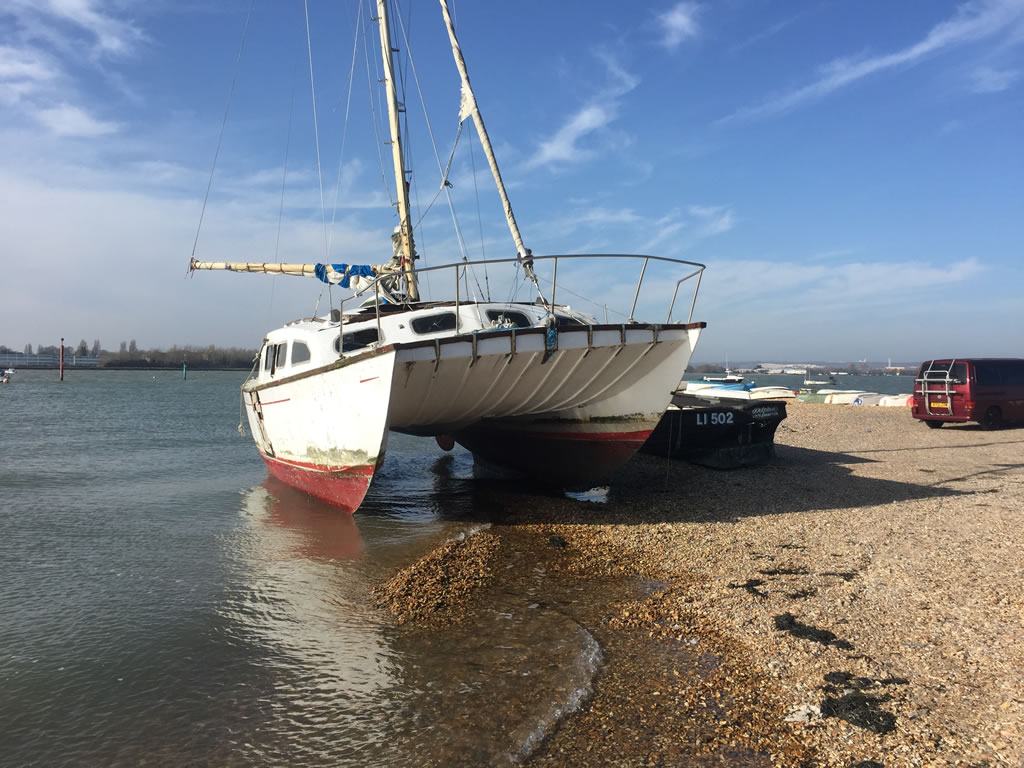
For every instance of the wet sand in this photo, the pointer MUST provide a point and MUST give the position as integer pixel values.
(856, 602)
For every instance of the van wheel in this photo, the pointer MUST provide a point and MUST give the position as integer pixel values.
(993, 418)
(934, 424)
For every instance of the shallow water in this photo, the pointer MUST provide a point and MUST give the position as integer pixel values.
(163, 600)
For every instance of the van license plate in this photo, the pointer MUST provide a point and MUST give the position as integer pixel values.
(940, 405)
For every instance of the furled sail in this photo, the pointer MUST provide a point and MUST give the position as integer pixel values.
(358, 277)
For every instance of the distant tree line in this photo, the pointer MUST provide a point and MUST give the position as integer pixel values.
(130, 356)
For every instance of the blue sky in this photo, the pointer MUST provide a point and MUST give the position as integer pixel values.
(852, 174)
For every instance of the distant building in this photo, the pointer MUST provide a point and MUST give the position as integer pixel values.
(20, 360)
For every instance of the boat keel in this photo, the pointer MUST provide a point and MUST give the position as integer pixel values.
(566, 458)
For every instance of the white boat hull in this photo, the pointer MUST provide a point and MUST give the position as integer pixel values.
(568, 415)
(841, 397)
(325, 431)
(868, 398)
(893, 401)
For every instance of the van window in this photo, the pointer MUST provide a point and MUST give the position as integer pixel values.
(434, 323)
(958, 372)
(988, 373)
(508, 319)
(1014, 374)
(300, 352)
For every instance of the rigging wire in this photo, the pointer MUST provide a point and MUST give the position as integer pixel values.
(223, 124)
(403, 76)
(284, 180)
(284, 172)
(316, 132)
(344, 131)
(479, 217)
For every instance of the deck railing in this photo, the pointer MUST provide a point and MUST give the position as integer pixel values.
(460, 267)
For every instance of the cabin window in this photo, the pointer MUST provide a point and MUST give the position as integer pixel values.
(508, 319)
(357, 340)
(434, 323)
(268, 357)
(300, 352)
(282, 356)
(564, 321)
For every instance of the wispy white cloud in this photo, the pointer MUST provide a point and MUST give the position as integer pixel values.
(625, 230)
(990, 80)
(71, 121)
(100, 20)
(599, 111)
(26, 64)
(765, 33)
(972, 22)
(714, 219)
(48, 44)
(562, 147)
(678, 24)
(24, 73)
(662, 230)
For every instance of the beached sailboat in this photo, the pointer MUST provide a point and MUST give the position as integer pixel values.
(534, 387)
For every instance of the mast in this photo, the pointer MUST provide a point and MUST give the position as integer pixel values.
(468, 108)
(405, 249)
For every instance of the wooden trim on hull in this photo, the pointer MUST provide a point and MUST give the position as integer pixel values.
(569, 459)
(342, 488)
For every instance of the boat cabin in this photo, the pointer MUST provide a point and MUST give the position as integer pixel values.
(313, 342)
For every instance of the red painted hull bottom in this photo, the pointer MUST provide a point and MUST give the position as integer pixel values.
(343, 488)
(572, 460)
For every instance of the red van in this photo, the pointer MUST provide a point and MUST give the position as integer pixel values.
(987, 390)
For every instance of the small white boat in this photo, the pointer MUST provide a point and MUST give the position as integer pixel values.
(8, 372)
(868, 398)
(719, 393)
(840, 396)
(772, 393)
(729, 377)
(811, 381)
(896, 401)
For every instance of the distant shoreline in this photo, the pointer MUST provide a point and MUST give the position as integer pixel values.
(108, 368)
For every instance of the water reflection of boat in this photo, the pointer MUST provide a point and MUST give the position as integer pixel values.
(303, 595)
(324, 534)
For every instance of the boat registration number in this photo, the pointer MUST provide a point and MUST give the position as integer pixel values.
(713, 418)
(939, 405)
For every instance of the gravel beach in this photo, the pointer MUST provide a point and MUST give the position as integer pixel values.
(856, 602)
